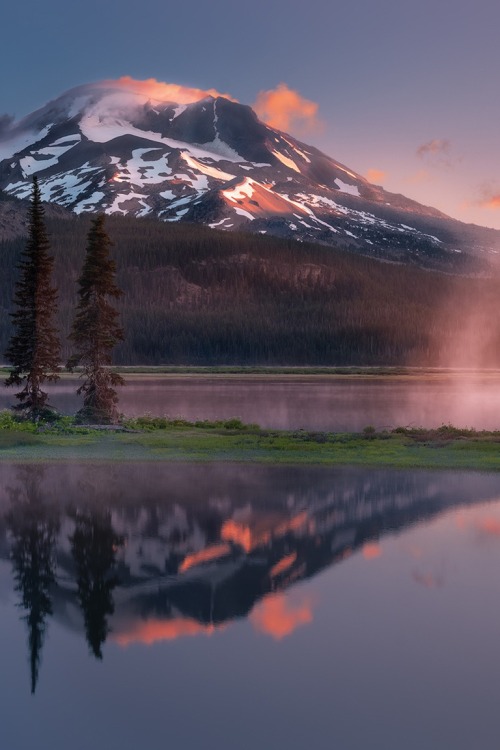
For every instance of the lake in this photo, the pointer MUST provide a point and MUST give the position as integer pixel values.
(314, 402)
(228, 606)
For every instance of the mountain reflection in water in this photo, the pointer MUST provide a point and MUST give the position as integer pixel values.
(150, 552)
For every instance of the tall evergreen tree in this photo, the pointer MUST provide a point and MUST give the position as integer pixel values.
(34, 349)
(95, 329)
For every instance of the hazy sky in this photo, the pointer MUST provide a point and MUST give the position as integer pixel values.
(406, 92)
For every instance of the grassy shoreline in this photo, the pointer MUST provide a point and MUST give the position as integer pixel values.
(160, 439)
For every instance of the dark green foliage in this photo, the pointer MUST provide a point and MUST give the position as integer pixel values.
(34, 350)
(202, 297)
(150, 424)
(446, 433)
(95, 330)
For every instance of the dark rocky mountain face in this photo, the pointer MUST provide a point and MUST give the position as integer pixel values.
(14, 216)
(107, 148)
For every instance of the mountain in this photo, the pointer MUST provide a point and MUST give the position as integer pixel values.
(114, 147)
(187, 567)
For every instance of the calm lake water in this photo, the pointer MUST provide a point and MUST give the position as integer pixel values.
(148, 606)
(312, 402)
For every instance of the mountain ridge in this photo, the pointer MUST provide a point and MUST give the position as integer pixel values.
(108, 147)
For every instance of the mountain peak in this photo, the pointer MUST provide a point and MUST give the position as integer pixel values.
(181, 153)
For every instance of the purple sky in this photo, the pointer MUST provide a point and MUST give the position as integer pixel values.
(406, 93)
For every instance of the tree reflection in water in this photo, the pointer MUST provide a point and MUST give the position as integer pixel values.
(94, 545)
(33, 526)
(217, 547)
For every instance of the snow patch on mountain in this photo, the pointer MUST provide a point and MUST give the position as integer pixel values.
(31, 166)
(139, 170)
(73, 139)
(219, 150)
(244, 189)
(346, 171)
(286, 160)
(197, 164)
(90, 203)
(298, 151)
(45, 157)
(13, 143)
(133, 148)
(178, 110)
(345, 187)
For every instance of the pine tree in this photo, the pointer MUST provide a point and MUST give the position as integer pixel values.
(34, 349)
(95, 330)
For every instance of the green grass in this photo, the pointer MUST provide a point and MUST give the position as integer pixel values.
(159, 439)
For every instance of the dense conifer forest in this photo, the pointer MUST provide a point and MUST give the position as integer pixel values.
(198, 296)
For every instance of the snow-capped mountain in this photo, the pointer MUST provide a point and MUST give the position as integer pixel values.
(179, 155)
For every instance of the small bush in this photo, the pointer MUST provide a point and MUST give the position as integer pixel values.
(148, 422)
(9, 420)
(234, 423)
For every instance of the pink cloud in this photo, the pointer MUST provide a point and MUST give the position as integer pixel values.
(371, 550)
(165, 92)
(278, 617)
(151, 631)
(489, 196)
(376, 176)
(438, 153)
(285, 109)
(418, 177)
(493, 202)
(490, 526)
(428, 580)
(437, 146)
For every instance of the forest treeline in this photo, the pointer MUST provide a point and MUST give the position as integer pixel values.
(198, 296)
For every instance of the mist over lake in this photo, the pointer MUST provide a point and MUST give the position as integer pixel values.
(316, 402)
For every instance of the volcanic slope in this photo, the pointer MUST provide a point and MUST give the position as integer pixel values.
(112, 147)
